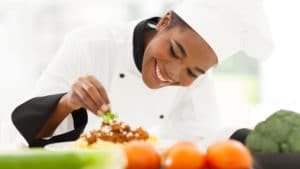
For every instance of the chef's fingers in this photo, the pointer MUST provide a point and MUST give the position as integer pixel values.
(100, 88)
(83, 105)
(93, 93)
(85, 99)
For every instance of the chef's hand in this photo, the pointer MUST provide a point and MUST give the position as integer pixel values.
(87, 92)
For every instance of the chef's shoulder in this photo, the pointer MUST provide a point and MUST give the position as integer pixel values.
(204, 81)
(89, 34)
(113, 32)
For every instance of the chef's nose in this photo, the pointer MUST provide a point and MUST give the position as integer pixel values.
(174, 69)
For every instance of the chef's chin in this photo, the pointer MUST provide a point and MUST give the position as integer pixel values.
(149, 83)
(148, 80)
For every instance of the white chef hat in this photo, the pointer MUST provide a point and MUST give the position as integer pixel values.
(229, 26)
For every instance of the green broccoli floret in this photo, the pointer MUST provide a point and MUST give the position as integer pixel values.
(281, 129)
(275, 129)
(263, 145)
(294, 140)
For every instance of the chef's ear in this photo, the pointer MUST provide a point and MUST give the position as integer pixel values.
(164, 22)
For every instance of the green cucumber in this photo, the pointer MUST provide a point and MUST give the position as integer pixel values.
(42, 159)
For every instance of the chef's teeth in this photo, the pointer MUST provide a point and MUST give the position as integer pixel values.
(159, 75)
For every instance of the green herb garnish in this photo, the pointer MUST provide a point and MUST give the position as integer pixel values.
(108, 117)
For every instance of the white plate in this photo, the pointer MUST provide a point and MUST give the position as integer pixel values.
(67, 145)
(59, 146)
(161, 146)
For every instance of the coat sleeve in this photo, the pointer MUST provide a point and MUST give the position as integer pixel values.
(86, 51)
(30, 117)
(55, 81)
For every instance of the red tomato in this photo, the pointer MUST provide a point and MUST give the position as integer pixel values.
(184, 155)
(228, 154)
(141, 155)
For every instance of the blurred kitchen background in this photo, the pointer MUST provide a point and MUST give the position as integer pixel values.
(248, 89)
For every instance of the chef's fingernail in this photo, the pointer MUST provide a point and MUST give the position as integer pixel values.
(104, 107)
(99, 112)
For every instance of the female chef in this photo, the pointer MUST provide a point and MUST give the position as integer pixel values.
(134, 64)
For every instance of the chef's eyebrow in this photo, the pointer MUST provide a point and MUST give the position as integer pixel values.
(180, 48)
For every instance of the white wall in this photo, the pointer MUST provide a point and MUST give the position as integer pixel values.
(280, 74)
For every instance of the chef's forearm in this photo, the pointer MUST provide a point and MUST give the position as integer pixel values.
(61, 111)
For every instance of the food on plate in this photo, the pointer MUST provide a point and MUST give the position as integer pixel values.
(228, 154)
(185, 155)
(112, 158)
(116, 132)
(111, 134)
(278, 133)
(141, 155)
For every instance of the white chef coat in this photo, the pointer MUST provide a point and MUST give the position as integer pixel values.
(106, 53)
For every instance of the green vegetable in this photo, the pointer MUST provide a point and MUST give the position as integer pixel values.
(42, 159)
(278, 133)
(294, 139)
(108, 117)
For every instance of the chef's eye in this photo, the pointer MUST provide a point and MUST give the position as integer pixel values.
(172, 52)
(191, 74)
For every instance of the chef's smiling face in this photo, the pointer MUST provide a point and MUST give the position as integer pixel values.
(175, 56)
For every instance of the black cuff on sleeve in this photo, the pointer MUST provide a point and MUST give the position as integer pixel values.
(80, 121)
(31, 116)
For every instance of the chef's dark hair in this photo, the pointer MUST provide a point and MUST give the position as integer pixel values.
(176, 20)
